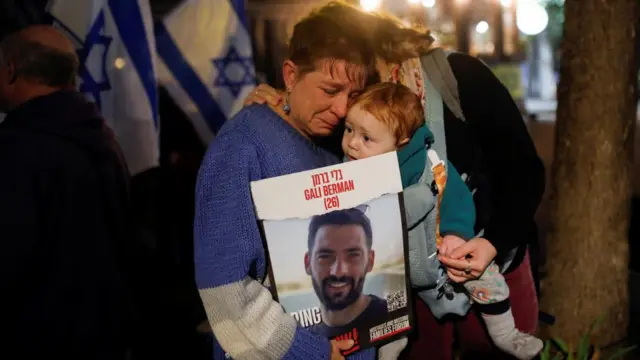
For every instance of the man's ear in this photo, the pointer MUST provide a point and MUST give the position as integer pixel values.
(10, 73)
(307, 264)
(289, 74)
(403, 142)
(372, 258)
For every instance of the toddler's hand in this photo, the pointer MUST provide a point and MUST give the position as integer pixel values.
(450, 243)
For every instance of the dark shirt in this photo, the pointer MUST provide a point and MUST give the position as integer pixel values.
(63, 222)
(496, 150)
(372, 316)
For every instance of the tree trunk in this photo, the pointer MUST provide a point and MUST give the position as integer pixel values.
(591, 187)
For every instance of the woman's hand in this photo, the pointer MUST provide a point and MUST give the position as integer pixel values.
(469, 261)
(264, 93)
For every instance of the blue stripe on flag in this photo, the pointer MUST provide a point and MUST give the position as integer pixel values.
(238, 6)
(130, 23)
(188, 79)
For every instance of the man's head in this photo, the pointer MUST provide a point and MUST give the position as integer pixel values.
(381, 120)
(339, 256)
(34, 62)
(328, 65)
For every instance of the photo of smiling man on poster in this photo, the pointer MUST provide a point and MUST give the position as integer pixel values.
(338, 260)
(339, 271)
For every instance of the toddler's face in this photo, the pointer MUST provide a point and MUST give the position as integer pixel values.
(365, 136)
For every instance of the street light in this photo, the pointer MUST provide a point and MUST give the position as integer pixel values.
(531, 17)
(428, 3)
(482, 27)
(370, 5)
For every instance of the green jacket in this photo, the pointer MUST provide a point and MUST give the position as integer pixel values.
(457, 211)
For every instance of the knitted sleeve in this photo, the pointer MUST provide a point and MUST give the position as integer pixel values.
(457, 212)
(229, 256)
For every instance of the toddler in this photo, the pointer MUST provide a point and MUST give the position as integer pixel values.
(389, 117)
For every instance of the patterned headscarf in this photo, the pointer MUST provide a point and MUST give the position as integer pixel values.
(409, 74)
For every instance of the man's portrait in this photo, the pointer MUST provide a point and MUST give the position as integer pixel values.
(338, 259)
(333, 272)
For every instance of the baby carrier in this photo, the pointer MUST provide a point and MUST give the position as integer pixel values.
(428, 276)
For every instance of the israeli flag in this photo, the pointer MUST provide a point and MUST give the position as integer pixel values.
(205, 62)
(116, 48)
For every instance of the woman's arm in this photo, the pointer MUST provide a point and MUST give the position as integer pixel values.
(457, 217)
(229, 256)
(510, 161)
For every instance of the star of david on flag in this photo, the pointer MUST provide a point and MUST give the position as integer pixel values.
(234, 71)
(206, 61)
(116, 49)
(92, 84)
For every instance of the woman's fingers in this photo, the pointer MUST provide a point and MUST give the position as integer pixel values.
(454, 275)
(463, 250)
(262, 94)
(457, 264)
(456, 269)
(265, 93)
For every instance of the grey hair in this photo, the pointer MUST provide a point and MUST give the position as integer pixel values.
(38, 63)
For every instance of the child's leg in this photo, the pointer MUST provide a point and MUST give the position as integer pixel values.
(491, 295)
(392, 350)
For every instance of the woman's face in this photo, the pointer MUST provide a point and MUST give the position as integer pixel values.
(320, 99)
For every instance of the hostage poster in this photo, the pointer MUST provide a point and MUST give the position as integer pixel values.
(337, 247)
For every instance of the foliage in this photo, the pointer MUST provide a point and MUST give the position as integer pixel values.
(586, 350)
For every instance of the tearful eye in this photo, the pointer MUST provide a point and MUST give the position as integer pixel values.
(330, 92)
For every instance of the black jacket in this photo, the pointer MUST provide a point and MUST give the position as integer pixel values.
(496, 150)
(64, 207)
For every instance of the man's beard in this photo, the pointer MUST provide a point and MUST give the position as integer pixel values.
(339, 301)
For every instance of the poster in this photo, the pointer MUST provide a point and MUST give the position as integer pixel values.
(337, 248)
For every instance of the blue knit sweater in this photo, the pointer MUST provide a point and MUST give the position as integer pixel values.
(228, 249)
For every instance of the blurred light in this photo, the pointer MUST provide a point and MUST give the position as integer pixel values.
(447, 27)
(531, 17)
(461, 2)
(482, 27)
(505, 3)
(370, 5)
(414, 1)
(119, 63)
(428, 3)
